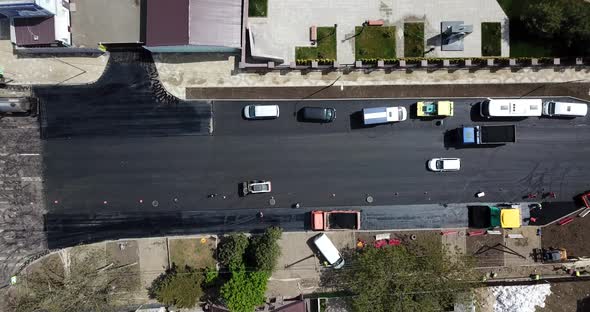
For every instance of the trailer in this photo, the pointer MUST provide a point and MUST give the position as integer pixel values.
(378, 115)
(498, 134)
(335, 220)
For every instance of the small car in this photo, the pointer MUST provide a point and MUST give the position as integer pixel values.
(255, 187)
(261, 111)
(444, 164)
(318, 114)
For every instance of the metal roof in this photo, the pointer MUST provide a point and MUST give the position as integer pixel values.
(167, 22)
(216, 23)
(34, 31)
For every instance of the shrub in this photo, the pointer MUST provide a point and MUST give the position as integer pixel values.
(265, 250)
(231, 250)
(178, 288)
(244, 291)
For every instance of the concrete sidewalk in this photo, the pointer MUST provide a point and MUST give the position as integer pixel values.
(49, 69)
(181, 71)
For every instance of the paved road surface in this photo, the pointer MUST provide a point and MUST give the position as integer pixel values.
(335, 164)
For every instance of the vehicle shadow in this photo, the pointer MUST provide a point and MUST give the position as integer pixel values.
(357, 121)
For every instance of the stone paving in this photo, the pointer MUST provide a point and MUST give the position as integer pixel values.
(280, 32)
(180, 71)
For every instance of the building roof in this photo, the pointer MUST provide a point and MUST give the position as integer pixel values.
(167, 22)
(34, 31)
(194, 22)
(216, 23)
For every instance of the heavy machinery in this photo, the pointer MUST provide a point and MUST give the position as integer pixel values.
(434, 109)
(335, 220)
(504, 216)
(550, 255)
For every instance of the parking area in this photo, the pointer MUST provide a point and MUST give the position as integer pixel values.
(278, 34)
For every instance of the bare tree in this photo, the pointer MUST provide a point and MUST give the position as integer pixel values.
(72, 281)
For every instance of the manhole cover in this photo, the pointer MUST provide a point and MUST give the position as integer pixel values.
(369, 199)
(272, 201)
(155, 203)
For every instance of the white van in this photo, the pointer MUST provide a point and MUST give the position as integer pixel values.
(377, 115)
(261, 111)
(511, 108)
(565, 109)
(328, 251)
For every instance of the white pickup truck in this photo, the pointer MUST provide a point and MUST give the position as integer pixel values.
(255, 187)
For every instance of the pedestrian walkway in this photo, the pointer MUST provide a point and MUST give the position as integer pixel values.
(49, 69)
(181, 71)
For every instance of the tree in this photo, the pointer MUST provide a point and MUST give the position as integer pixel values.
(422, 277)
(265, 250)
(71, 282)
(544, 18)
(245, 290)
(232, 249)
(180, 288)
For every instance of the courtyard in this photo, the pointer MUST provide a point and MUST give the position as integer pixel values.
(289, 25)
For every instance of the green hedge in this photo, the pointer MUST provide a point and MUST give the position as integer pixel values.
(413, 39)
(491, 39)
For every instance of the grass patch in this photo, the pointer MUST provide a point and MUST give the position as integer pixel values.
(491, 39)
(257, 8)
(325, 46)
(192, 252)
(413, 39)
(373, 42)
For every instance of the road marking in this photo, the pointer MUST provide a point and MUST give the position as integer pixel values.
(29, 154)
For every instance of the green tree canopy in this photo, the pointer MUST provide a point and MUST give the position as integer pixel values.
(564, 22)
(265, 250)
(245, 290)
(180, 288)
(232, 249)
(424, 277)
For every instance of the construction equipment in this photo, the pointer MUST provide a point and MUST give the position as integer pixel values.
(434, 109)
(335, 220)
(504, 216)
(550, 255)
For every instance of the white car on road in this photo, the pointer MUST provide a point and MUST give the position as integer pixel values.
(444, 164)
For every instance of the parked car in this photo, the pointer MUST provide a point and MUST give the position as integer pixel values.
(318, 114)
(444, 164)
(261, 111)
(255, 187)
(563, 109)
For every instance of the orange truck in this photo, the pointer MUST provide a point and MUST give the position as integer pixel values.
(335, 220)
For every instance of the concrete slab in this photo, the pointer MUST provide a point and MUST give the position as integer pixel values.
(298, 269)
(46, 69)
(106, 21)
(153, 259)
(523, 246)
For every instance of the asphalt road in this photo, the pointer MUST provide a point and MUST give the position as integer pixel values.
(319, 165)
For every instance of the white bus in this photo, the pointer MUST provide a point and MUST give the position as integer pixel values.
(511, 108)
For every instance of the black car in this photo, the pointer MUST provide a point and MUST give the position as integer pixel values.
(318, 114)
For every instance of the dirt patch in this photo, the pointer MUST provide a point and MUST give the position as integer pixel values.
(479, 247)
(574, 237)
(405, 236)
(568, 297)
(194, 252)
(125, 256)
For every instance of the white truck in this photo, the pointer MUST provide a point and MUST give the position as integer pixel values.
(378, 115)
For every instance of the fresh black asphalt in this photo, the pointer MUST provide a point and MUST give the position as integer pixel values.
(122, 159)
